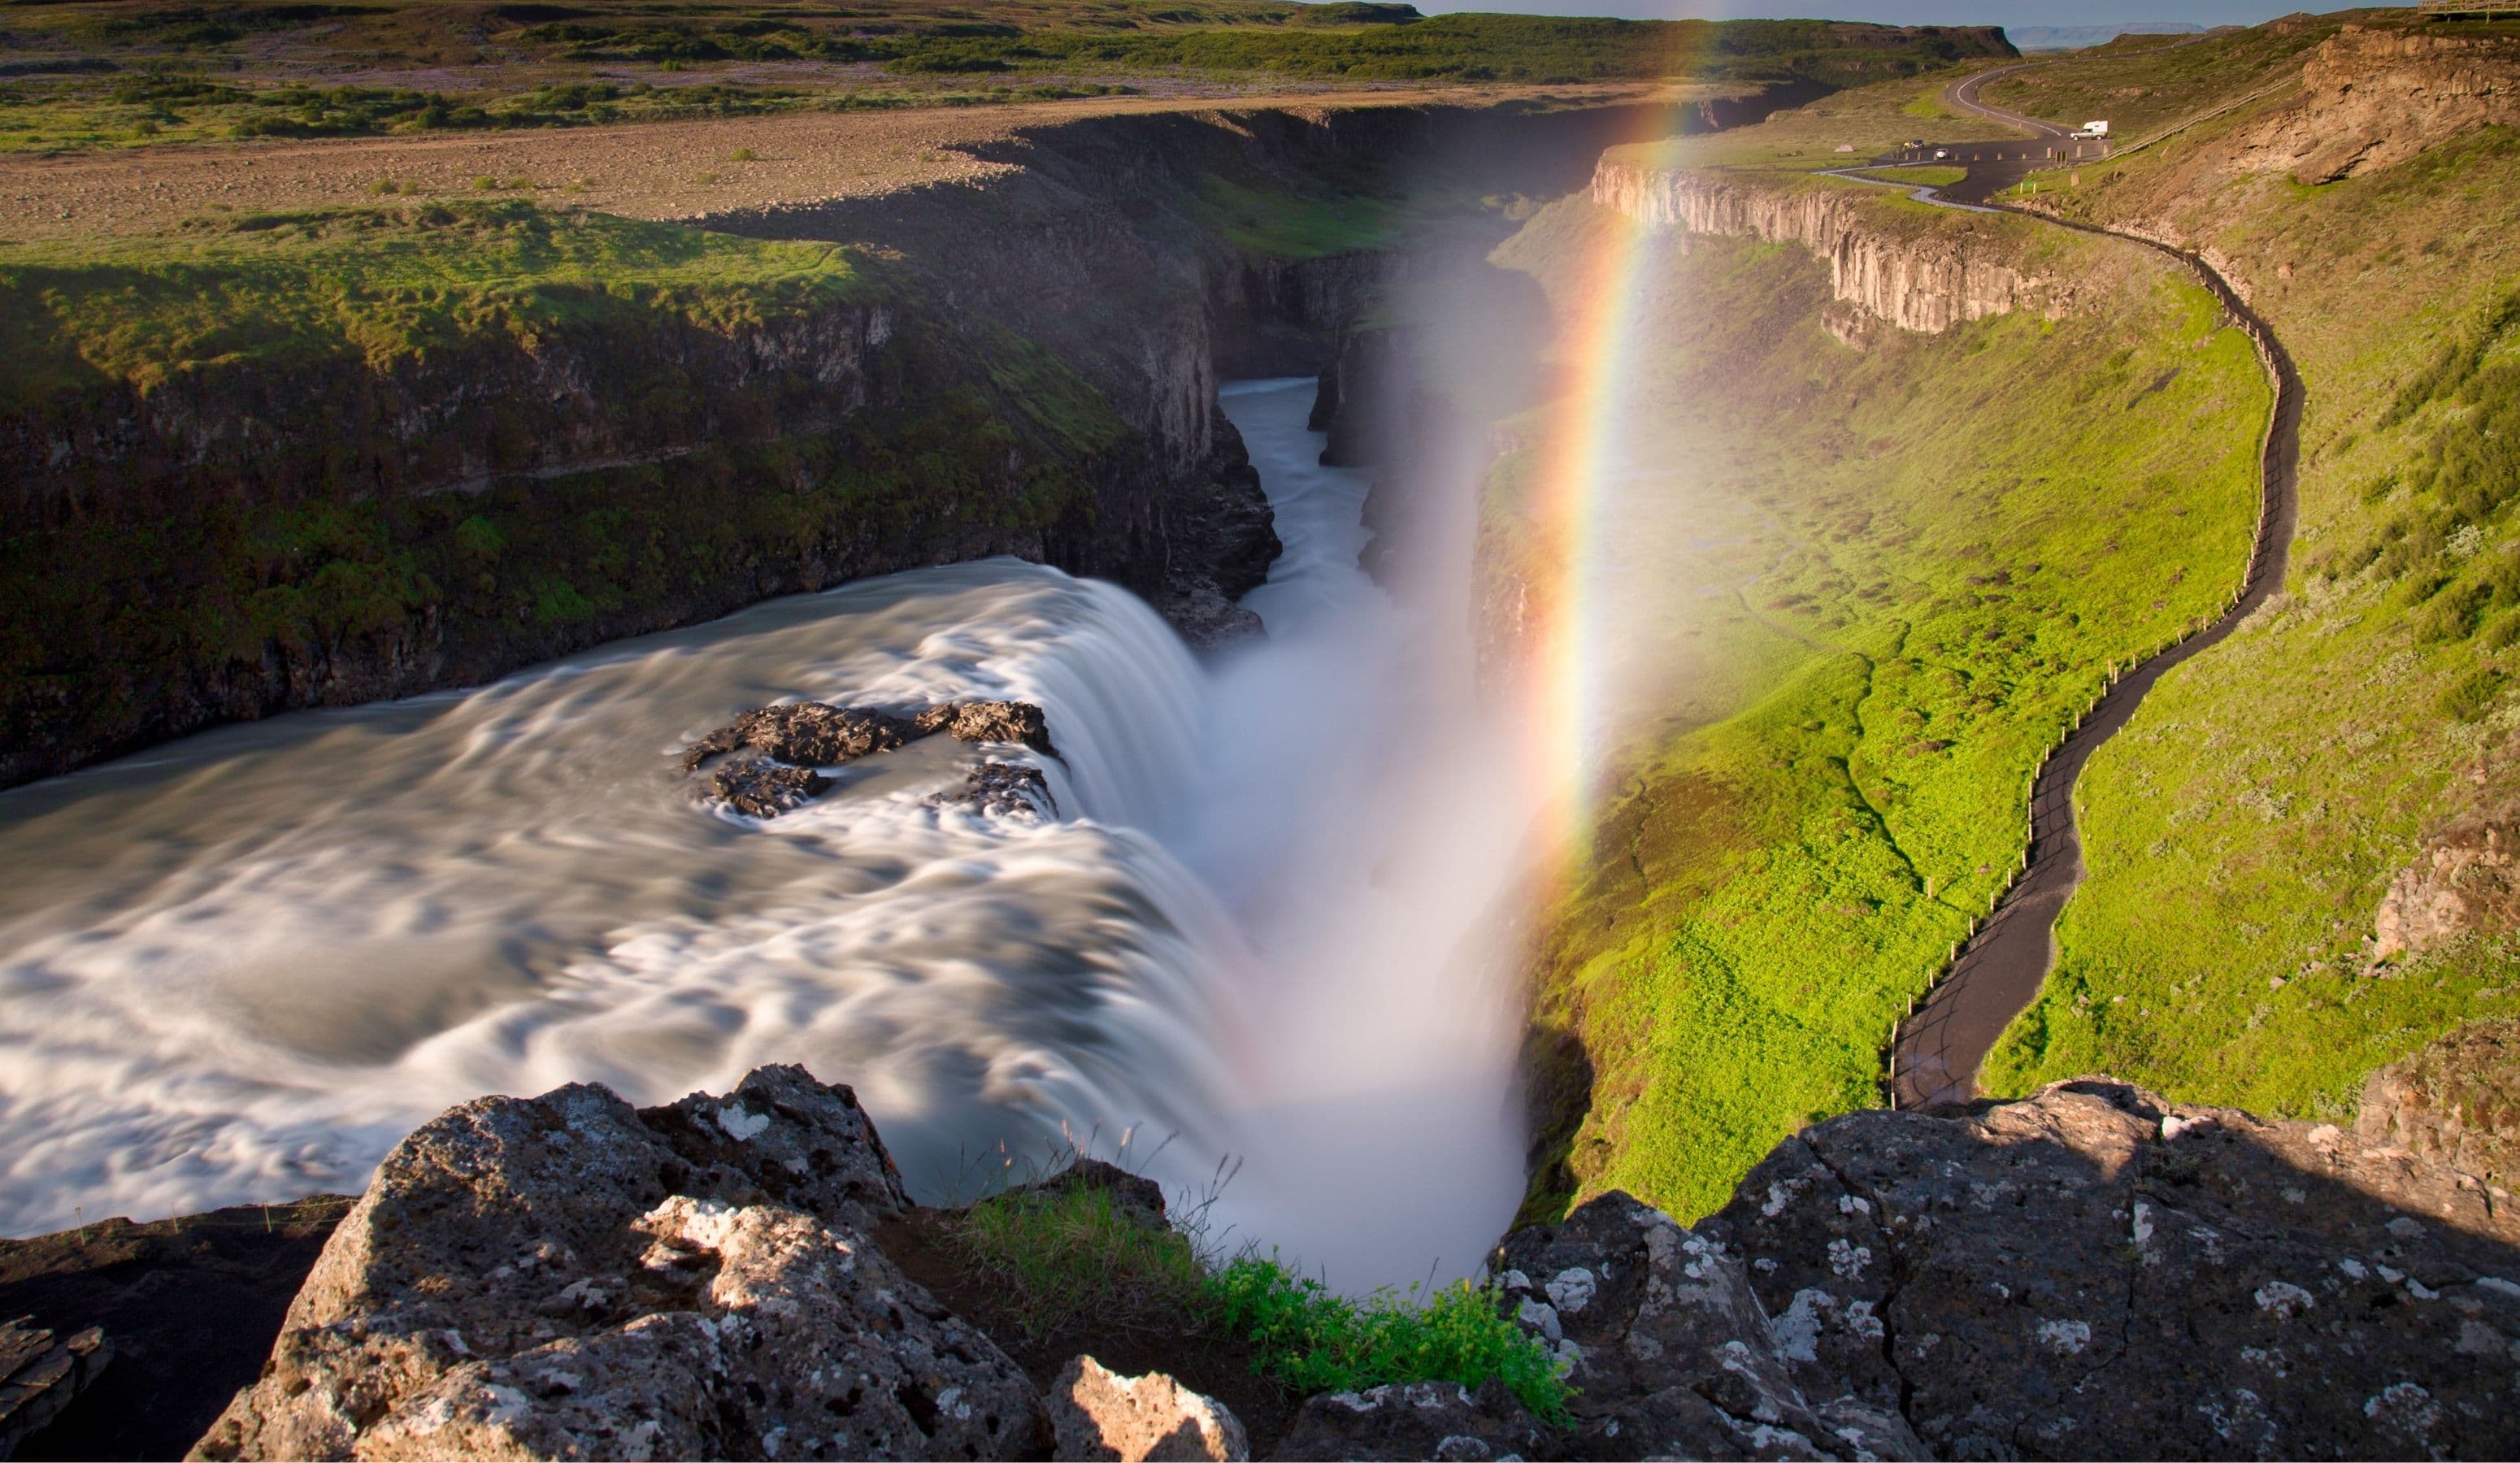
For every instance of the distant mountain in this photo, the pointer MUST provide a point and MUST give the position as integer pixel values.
(2075, 37)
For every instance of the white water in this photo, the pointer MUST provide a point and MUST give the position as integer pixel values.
(242, 966)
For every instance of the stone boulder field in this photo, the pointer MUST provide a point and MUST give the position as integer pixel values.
(2090, 1272)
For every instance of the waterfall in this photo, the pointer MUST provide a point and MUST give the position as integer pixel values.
(242, 965)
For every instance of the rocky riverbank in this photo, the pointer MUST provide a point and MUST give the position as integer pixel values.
(2090, 1272)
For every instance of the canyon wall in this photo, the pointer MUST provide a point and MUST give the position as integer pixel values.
(1026, 366)
(1964, 268)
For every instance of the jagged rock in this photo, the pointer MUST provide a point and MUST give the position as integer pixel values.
(1965, 269)
(1134, 1196)
(39, 1374)
(1097, 1413)
(987, 721)
(2463, 881)
(565, 1276)
(1207, 619)
(806, 734)
(2376, 96)
(2096, 1272)
(1667, 1346)
(2456, 1100)
(1416, 1420)
(766, 790)
(1003, 790)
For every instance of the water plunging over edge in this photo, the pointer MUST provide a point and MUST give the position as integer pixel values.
(241, 966)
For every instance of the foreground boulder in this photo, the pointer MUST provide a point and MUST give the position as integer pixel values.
(565, 1276)
(2091, 1271)
(1095, 1413)
(2096, 1272)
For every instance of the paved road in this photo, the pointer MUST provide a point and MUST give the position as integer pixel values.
(1998, 972)
(1994, 166)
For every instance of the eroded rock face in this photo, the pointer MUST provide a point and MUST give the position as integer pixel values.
(2374, 96)
(2456, 1100)
(1095, 1413)
(1929, 283)
(2462, 882)
(565, 1276)
(40, 1372)
(2097, 1272)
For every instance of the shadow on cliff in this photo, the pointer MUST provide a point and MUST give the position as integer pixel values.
(2098, 1272)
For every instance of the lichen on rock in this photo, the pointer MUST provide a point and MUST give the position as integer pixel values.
(565, 1276)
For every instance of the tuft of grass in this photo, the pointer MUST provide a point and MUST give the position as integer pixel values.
(1063, 1254)
(744, 154)
(1316, 1341)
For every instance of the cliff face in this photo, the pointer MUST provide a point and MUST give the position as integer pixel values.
(1958, 270)
(2090, 1272)
(1026, 366)
(2372, 98)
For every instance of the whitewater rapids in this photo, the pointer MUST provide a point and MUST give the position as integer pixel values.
(240, 967)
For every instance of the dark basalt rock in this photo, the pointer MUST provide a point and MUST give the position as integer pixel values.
(561, 1276)
(766, 790)
(1416, 1420)
(808, 735)
(1002, 789)
(987, 721)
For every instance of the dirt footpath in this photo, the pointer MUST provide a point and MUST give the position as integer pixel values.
(659, 170)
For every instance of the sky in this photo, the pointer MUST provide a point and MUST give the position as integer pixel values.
(1902, 12)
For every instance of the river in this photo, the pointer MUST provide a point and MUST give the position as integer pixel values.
(1256, 936)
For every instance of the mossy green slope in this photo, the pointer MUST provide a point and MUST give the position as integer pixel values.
(1888, 576)
(2241, 834)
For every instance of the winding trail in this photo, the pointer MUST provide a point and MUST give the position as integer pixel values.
(1937, 1051)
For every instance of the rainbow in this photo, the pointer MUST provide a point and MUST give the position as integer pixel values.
(1583, 442)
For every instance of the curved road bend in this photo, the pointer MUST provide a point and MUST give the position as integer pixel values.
(1999, 970)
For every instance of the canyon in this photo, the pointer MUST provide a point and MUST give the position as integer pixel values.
(1901, 492)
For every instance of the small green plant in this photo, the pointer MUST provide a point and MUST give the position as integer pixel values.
(2472, 694)
(384, 186)
(485, 183)
(744, 155)
(706, 178)
(1316, 1341)
(1061, 1253)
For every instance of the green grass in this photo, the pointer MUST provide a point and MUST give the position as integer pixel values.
(1067, 1258)
(2143, 86)
(1882, 581)
(1316, 1341)
(2241, 834)
(372, 286)
(1871, 118)
(293, 550)
(147, 72)
(1270, 221)
(1061, 1255)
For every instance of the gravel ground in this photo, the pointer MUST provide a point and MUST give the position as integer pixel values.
(658, 170)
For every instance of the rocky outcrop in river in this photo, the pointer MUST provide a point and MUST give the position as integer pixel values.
(2093, 1272)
